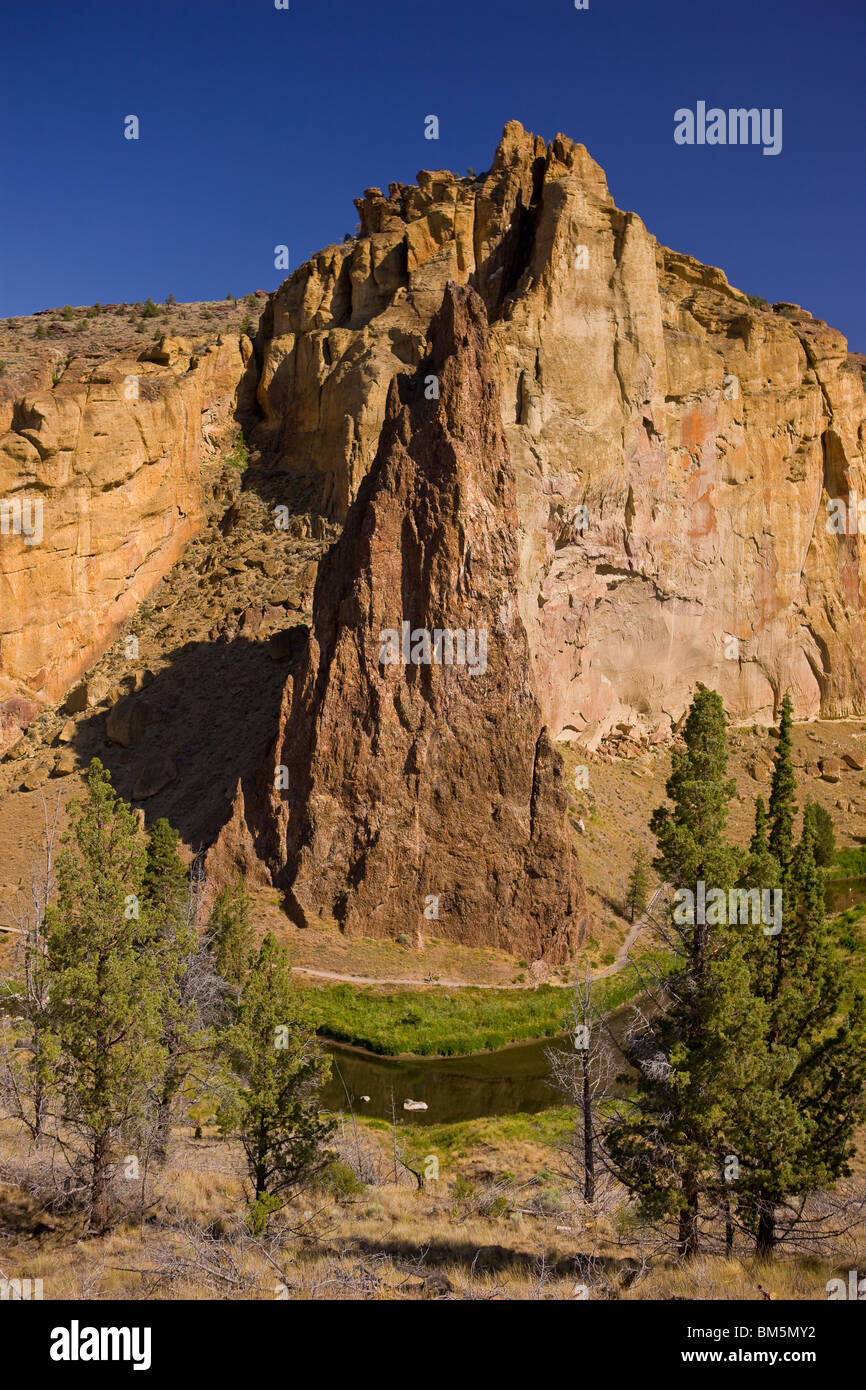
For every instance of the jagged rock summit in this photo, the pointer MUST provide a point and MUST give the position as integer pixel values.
(674, 444)
(675, 441)
(422, 785)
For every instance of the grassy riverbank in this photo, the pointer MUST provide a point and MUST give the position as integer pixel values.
(440, 1022)
(849, 863)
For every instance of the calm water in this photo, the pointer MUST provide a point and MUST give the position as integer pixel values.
(511, 1081)
(844, 892)
(514, 1079)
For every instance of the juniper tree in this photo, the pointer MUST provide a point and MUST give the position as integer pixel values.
(758, 844)
(230, 933)
(823, 833)
(104, 984)
(279, 1068)
(171, 903)
(783, 791)
(637, 894)
(815, 1036)
(663, 1144)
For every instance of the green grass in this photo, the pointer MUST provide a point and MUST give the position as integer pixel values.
(850, 863)
(451, 1023)
(463, 1137)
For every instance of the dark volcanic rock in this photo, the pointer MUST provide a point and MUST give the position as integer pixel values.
(422, 789)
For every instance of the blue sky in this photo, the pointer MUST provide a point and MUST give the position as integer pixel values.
(260, 126)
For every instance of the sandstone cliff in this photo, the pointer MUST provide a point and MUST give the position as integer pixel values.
(674, 442)
(419, 787)
(111, 458)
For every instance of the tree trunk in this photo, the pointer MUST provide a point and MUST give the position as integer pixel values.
(687, 1243)
(766, 1238)
(170, 1088)
(729, 1229)
(100, 1188)
(588, 1146)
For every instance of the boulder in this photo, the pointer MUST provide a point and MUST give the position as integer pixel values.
(126, 721)
(66, 763)
(151, 777)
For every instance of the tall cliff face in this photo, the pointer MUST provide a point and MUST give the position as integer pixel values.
(674, 444)
(418, 786)
(100, 480)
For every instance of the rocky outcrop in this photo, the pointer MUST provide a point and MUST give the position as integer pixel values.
(101, 489)
(414, 782)
(674, 442)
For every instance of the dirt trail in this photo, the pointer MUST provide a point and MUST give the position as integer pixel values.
(621, 960)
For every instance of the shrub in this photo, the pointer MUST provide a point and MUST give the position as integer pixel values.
(340, 1181)
(239, 456)
(150, 310)
(68, 312)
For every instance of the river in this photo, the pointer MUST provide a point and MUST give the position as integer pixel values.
(509, 1081)
(513, 1080)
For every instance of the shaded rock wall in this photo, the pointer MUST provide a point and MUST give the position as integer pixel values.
(413, 784)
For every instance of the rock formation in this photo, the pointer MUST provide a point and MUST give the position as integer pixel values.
(423, 791)
(674, 442)
(103, 471)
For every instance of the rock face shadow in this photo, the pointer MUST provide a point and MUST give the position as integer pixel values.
(180, 743)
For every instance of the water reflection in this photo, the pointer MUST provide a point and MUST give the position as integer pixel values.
(510, 1081)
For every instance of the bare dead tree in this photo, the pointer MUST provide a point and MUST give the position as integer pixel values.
(200, 1004)
(585, 1073)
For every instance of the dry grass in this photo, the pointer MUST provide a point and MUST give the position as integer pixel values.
(477, 1233)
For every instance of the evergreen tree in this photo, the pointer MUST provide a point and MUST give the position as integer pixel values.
(165, 874)
(783, 791)
(637, 894)
(104, 986)
(815, 1036)
(758, 844)
(280, 1068)
(663, 1144)
(822, 832)
(171, 918)
(230, 932)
